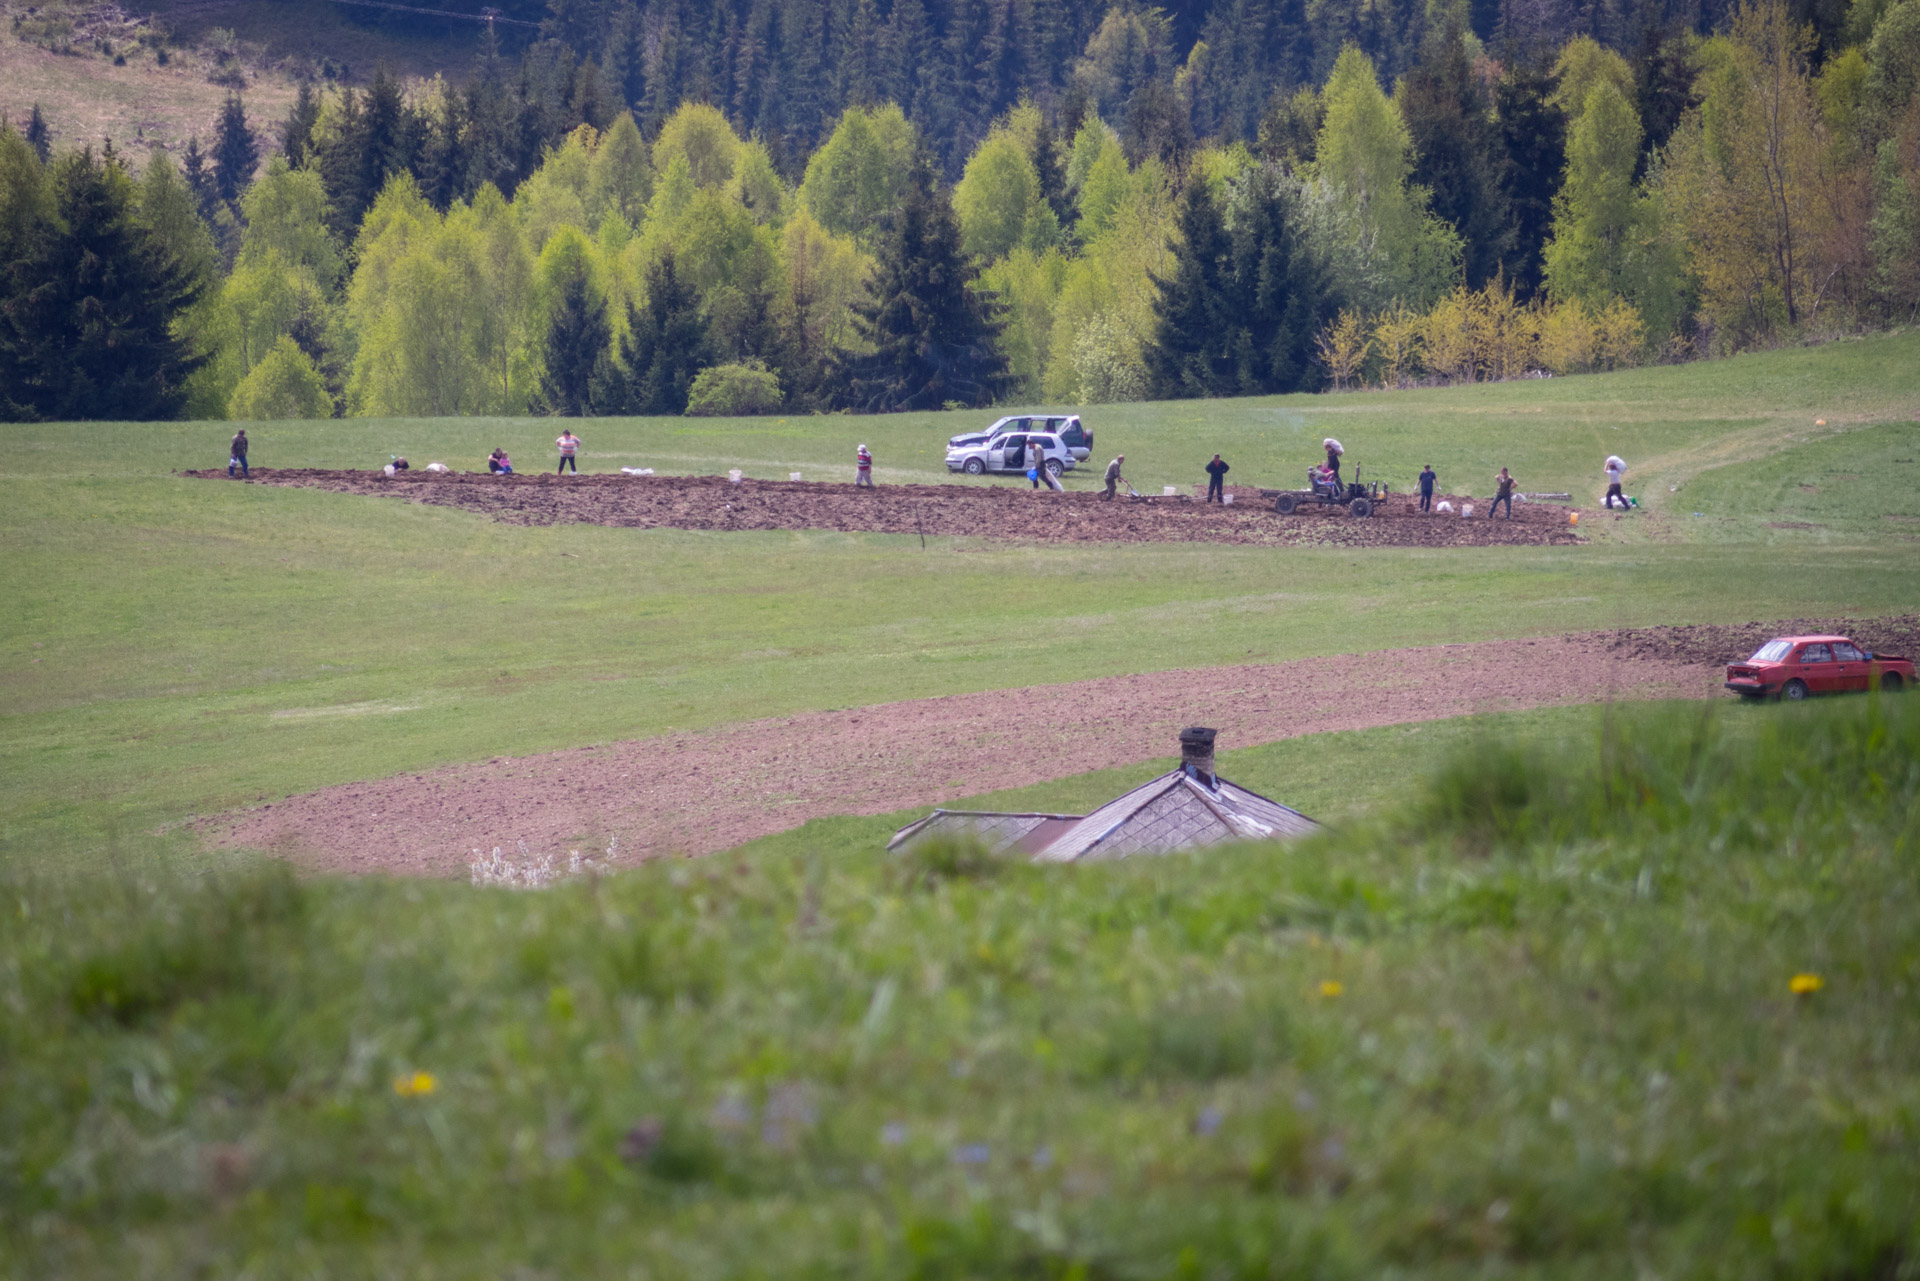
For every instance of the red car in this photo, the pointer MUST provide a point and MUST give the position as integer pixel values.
(1795, 667)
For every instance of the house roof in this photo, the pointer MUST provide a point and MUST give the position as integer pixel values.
(1175, 811)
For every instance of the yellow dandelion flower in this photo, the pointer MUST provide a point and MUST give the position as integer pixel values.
(1331, 987)
(1805, 984)
(415, 1085)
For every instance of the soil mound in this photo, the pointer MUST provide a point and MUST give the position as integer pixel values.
(984, 509)
(1708, 644)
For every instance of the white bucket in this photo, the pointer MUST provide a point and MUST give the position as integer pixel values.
(734, 476)
(793, 475)
(1466, 509)
(1226, 500)
(1168, 491)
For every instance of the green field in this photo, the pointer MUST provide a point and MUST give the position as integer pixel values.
(1563, 1048)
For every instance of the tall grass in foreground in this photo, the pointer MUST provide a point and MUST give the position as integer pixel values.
(1542, 1022)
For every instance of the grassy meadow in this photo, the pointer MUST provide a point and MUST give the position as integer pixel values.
(1562, 1041)
(1543, 1021)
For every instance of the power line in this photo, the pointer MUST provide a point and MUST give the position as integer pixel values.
(488, 16)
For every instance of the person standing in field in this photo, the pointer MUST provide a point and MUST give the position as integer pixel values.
(237, 454)
(569, 446)
(1114, 478)
(1426, 487)
(1616, 476)
(1217, 480)
(1334, 450)
(1036, 462)
(863, 467)
(1503, 493)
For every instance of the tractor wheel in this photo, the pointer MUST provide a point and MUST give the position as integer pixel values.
(1891, 683)
(1286, 504)
(1361, 507)
(1794, 691)
(975, 467)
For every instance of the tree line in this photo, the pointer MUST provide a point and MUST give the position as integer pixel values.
(1474, 216)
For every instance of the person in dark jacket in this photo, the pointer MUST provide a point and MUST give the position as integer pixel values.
(237, 454)
(1503, 493)
(1426, 488)
(1217, 480)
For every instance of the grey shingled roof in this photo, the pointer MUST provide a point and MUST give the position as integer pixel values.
(1175, 811)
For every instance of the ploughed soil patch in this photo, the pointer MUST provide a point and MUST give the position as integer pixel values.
(1897, 634)
(698, 792)
(984, 509)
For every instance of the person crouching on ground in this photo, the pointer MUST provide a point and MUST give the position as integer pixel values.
(1616, 476)
(498, 462)
(569, 446)
(237, 454)
(1217, 480)
(1114, 478)
(863, 467)
(1503, 493)
(1426, 487)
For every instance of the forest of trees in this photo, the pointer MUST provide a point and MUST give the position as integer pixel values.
(861, 205)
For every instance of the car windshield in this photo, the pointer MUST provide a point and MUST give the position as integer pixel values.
(1771, 652)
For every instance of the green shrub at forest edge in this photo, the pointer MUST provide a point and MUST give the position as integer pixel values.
(1545, 1024)
(734, 391)
(284, 385)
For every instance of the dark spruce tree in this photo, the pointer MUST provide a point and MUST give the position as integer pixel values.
(235, 152)
(40, 134)
(935, 338)
(1193, 351)
(445, 163)
(1663, 88)
(1461, 156)
(576, 350)
(86, 320)
(296, 131)
(1534, 135)
(1279, 294)
(665, 346)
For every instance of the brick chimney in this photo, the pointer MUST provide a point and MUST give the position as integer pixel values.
(1196, 754)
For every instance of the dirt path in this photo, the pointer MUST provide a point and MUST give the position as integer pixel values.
(989, 509)
(695, 793)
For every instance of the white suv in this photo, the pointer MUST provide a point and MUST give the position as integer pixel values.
(1078, 440)
(1007, 452)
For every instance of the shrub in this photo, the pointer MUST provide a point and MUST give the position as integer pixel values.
(732, 391)
(283, 385)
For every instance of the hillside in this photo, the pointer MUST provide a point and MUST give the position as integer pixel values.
(96, 71)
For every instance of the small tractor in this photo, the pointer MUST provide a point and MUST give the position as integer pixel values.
(1356, 497)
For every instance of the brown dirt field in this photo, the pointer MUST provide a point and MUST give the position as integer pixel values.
(980, 509)
(696, 793)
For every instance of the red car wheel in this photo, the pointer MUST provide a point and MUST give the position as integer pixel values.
(1891, 682)
(1794, 691)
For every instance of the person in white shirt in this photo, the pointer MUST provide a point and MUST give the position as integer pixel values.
(1616, 472)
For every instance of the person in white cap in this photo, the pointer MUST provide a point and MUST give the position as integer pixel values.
(1616, 473)
(863, 467)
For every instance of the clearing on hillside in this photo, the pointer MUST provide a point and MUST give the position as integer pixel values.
(986, 510)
